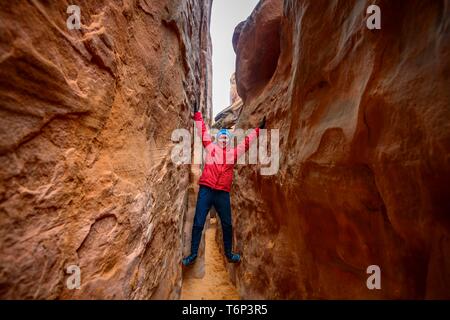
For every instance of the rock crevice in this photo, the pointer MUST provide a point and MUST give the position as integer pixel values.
(363, 118)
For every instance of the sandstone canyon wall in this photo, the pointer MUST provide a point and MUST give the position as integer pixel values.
(228, 117)
(364, 120)
(86, 175)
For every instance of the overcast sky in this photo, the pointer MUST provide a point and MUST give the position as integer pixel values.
(226, 14)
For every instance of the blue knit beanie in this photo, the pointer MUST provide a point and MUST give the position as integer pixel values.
(223, 132)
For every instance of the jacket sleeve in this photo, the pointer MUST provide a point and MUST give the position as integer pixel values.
(244, 145)
(202, 131)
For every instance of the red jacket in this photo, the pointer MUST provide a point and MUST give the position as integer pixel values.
(220, 162)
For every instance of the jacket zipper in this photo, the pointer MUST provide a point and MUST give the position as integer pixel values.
(220, 175)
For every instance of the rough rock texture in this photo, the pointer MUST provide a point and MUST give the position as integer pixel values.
(215, 284)
(86, 176)
(364, 120)
(234, 95)
(198, 269)
(228, 117)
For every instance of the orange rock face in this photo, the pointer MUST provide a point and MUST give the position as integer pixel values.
(257, 48)
(86, 176)
(364, 151)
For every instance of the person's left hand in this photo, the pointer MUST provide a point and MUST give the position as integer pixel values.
(196, 108)
(262, 124)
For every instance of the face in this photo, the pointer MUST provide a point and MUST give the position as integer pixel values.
(223, 140)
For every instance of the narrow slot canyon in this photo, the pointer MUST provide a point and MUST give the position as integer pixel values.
(358, 124)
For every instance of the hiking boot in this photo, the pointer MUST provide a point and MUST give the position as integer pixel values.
(233, 257)
(189, 260)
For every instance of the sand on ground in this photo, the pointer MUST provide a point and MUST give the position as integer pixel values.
(216, 284)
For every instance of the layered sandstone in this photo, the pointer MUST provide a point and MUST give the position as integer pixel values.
(364, 150)
(215, 284)
(228, 117)
(85, 142)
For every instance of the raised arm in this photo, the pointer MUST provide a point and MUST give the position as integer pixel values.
(244, 145)
(202, 131)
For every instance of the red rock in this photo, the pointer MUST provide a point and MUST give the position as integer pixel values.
(86, 118)
(234, 95)
(237, 34)
(364, 153)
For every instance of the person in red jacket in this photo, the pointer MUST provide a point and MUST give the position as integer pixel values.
(215, 184)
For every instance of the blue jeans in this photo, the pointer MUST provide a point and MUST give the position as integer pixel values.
(208, 197)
